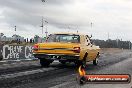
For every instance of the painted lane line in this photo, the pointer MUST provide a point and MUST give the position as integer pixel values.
(63, 84)
(3, 61)
(26, 73)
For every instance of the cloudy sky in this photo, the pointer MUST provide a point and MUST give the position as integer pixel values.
(108, 16)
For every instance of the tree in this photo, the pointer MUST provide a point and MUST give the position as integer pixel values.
(1, 34)
(36, 38)
(43, 0)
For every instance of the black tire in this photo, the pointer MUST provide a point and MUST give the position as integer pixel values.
(77, 63)
(44, 62)
(1, 59)
(82, 62)
(95, 62)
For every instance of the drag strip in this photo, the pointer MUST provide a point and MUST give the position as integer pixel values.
(14, 75)
(58, 75)
(23, 77)
(8, 67)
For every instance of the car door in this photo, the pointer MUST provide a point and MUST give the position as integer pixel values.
(88, 48)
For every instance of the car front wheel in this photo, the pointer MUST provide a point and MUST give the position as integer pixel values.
(62, 62)
(44, 62)
(81, 63)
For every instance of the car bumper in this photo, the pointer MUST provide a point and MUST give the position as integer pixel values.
(57, 56)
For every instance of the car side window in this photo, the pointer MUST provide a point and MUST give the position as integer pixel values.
(87, 40)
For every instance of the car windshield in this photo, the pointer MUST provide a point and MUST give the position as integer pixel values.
(63, 38)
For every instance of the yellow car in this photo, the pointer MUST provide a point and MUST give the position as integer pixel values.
(66, 47)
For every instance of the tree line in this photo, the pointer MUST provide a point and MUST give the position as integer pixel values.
(112, 43)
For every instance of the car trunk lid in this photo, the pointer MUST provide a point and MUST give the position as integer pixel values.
(57, 48)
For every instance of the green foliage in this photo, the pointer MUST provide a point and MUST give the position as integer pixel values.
(113, 43)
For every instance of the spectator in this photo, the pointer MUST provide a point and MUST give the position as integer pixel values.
(30, 40)
(33, 40)
(27, 40)
(19, 41)
(24, 40)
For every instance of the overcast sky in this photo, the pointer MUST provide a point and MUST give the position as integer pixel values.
(108, 16)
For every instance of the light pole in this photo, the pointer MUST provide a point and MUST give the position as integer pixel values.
(15, 29)
(42, 19)
(77, 29)
(46, 32)
(91, 25)
(42, 25)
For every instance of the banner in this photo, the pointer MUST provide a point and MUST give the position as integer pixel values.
(13, 52)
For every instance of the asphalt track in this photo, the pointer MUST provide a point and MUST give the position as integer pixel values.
(29, 74)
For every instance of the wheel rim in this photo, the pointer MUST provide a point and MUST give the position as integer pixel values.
(96, 61)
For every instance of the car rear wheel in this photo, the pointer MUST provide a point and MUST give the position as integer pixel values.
(44, 62)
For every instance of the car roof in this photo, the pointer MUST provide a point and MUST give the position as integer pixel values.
(80, 34)
(69, 33)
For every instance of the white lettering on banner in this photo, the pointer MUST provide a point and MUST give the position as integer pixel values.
(28, 55)
(4, 47)
(15, 51)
